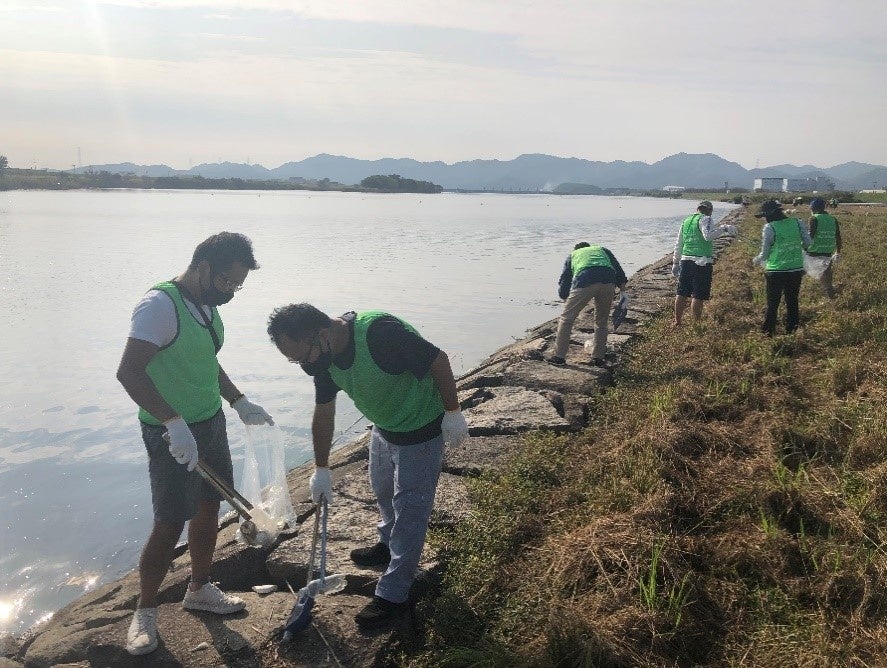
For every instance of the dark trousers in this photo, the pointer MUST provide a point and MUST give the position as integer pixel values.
(779, 283)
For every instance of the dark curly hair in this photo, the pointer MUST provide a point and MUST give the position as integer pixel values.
(297, 321)
(222, 250)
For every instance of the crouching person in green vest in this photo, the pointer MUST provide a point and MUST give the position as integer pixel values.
(405, 386)
(169, 368)
(590, 272)
(783, 241)
(825, 234)
(693, 258)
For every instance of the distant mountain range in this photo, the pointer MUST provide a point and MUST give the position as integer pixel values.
(528, 172)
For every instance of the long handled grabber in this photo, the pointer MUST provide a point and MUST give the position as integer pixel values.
(300, 616)
(258, 527)
(620, 310)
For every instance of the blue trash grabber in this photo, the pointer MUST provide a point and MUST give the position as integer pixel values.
(300, 616)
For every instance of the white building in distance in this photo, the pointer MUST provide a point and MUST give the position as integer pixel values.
(769, 185)
(792, 185)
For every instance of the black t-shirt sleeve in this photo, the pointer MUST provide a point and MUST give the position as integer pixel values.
(395, 349)
(325, 389)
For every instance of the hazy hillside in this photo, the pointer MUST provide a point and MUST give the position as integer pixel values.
(528, 172)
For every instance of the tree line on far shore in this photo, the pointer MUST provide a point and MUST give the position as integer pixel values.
(394, 183)
(42, 179)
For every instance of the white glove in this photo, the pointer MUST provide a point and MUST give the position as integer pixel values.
(454, 428)
(251, 413)
(182, 445)
(676, 270)
(835, 257)
(731, 230)
(623, 300)
(757, 260)
(321, 484)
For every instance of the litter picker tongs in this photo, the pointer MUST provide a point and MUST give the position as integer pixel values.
(258, 527)
(300, 616)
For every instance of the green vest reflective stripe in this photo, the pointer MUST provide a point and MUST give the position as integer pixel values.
(590, 256)
(398, 403)
(826, 232)
(186, 372)
(694, 243)
(787, 251)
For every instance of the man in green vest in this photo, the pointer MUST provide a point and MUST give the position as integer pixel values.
(825, 234)
(169, 368)
(590, 272)
(405, 386)
(693, 258)
(783, 241)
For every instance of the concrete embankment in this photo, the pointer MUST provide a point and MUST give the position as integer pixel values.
(511, 393)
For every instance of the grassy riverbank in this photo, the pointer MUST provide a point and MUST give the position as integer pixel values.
(728, 507)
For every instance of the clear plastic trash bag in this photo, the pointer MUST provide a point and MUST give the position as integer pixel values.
(263, 481)
(815, 265)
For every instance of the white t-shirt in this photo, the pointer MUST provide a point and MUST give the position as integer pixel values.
(154, 318)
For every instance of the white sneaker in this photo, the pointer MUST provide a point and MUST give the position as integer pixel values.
(142, 635)
(212, 599)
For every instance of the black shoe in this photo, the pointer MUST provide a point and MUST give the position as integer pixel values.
(377, 555)
(597, 361)
(379, 612)
(554, 359)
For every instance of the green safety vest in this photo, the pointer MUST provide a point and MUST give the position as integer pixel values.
(589, 256)
(787, 252)
(694, 244)
(825, 240)
(398, 403)
(186, 372)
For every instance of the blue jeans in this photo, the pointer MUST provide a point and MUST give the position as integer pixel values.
(404, 479)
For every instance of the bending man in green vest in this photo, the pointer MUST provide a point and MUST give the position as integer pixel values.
(590, 272)
(693, 258)
(826, 241)
(170, 370)
(783, 241)
(405, 386)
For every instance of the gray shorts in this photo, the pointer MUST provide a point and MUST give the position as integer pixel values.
(175, 493)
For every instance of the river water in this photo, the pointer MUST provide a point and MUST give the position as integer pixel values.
(470, 271)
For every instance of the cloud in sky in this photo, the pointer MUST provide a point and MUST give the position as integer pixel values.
(180, 81)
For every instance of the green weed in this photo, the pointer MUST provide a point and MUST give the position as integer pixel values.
(769, 525)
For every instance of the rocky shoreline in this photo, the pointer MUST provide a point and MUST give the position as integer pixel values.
(512, 392)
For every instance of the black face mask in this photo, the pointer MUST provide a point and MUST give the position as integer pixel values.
(212, 296)
(321, 364)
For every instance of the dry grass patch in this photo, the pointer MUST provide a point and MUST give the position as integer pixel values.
(729, 509)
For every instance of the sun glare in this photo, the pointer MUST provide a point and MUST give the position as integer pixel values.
(8, 610)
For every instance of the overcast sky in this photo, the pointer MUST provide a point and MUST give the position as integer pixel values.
(183, 82)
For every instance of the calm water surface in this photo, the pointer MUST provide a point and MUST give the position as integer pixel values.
(470, 271)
